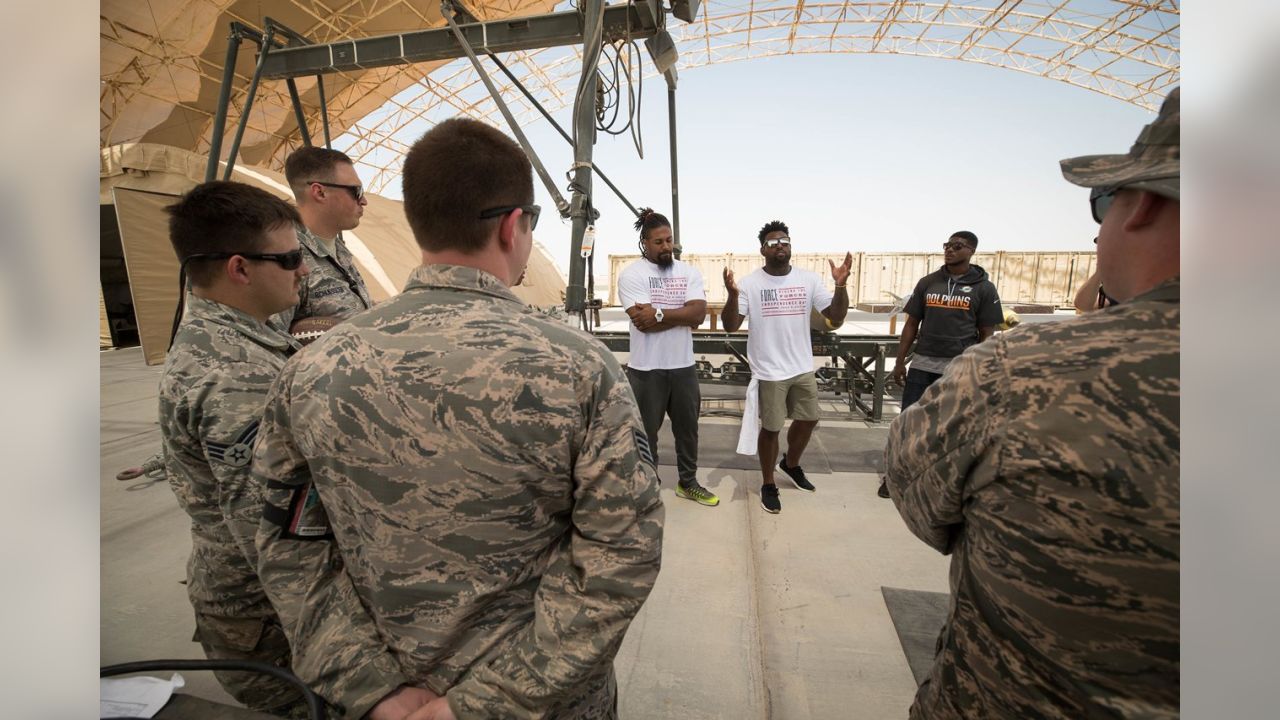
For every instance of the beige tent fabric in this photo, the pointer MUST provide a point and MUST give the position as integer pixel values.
(153, 268)
(162, 60)
(383, 245)
(104, 327)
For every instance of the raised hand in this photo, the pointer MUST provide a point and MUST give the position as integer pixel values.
(841, 274)
(732, 286)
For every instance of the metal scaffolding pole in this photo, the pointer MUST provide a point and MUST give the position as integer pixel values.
(675, 179)
(584, 136)
(534, 101)
(264, 50)
(224, 99)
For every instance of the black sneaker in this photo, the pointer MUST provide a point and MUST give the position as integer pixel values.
(884, 490)
(769, 499)
(796, 474)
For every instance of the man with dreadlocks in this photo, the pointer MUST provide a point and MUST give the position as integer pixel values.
(665, 300)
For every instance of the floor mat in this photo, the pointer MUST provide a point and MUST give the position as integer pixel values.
(918, 616)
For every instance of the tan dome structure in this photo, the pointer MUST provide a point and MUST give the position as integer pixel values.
(162, 61)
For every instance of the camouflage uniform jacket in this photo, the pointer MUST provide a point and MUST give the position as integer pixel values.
(215, 383)
(1046, 462)
(333, 286)
(494, 507)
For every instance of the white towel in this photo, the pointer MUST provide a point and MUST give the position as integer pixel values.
(749, 435)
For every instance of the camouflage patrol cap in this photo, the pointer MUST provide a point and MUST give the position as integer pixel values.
(1151, 164)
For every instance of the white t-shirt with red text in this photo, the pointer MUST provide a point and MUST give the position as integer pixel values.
(777, 312)
(667, 288)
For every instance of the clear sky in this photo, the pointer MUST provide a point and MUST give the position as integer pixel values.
(853, 152)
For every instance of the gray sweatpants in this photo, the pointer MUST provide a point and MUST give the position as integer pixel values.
(674, 393)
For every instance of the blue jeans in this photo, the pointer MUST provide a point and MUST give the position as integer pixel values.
(917, 381)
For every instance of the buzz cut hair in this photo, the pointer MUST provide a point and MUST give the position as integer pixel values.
(223, 216)
(311, 164)
(453, 173)
(772, 226)
(968, 237)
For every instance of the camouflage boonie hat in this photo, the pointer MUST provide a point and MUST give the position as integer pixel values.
(1151, 164)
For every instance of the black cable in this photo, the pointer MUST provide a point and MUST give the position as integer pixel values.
(315, 706)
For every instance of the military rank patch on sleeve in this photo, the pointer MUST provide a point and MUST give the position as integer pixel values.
(238, 452)
(642, 447)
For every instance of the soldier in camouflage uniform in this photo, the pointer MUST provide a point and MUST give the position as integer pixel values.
(330, 199)
(461, 498)
(242, 256)
(1046, 463)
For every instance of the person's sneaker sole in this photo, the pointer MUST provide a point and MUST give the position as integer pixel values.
(773, 495)
(787, 472)
(714, 501)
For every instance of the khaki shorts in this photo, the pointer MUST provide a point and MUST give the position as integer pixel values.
(795, 398)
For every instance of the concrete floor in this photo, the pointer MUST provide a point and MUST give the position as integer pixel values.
(753, 615)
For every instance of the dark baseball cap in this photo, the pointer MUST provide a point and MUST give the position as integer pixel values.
(1151, 164)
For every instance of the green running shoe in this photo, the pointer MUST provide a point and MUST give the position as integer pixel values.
(698, 494)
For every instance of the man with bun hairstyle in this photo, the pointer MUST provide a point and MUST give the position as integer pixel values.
(665, 299)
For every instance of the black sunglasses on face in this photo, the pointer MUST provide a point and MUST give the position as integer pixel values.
(357, 191)
(289, 260)
(953, 246)
(1100, 202)
(533, 211)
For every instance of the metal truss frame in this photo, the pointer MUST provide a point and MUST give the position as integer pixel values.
(1130, 54)
(1123, 49)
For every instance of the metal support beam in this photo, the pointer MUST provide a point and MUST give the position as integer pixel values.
(535, 32)
(877, 389)
(675, 178)
(584, 138)
(534, 101)
(224, 99)
(297, 112)
(297, 39)
(561, 205)
(324, 111)
(263, 51)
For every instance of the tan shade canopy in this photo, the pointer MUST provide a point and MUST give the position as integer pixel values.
(162, 62)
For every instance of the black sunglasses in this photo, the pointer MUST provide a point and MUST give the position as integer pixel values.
(288, 260)
(357, 191)
(1100, 201)
(953, 246)
(533, 211)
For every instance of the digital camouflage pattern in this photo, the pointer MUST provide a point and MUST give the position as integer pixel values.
(494, 506)
(1046, 462)
(212, 392)
(333, 286)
